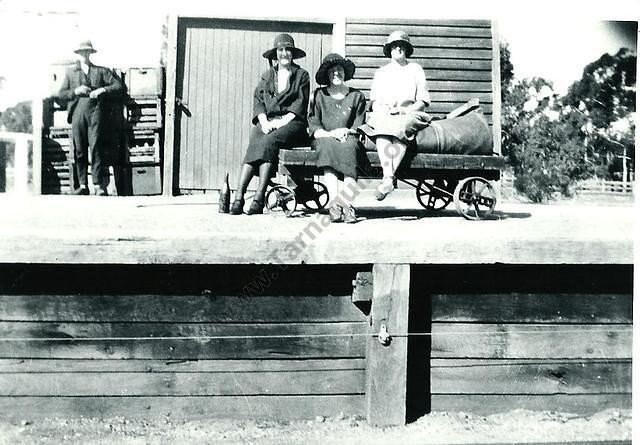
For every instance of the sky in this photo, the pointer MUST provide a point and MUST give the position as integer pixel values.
(545, 40)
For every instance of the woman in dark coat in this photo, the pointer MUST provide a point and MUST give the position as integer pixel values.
(336, 112)
(280, 105)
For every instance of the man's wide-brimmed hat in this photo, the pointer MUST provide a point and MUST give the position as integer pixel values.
(284, 40)
(394, 37)
(85, 45)
(322, 76)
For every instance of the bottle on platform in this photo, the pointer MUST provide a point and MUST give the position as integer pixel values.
(225, 196)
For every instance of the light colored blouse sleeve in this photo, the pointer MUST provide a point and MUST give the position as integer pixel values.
(422, 92)
(375, 86)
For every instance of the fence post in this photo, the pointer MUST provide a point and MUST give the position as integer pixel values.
(21, 166)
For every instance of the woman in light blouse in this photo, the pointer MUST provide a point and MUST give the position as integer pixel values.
(399, 88)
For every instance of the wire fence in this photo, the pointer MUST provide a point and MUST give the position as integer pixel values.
(322, 335)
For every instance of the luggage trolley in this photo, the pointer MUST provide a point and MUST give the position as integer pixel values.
(438, 180)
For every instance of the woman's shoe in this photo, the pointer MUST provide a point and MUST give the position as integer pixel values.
(237, 207)
(349, 214)
(335, 213)
(385, 187)
(256, 207)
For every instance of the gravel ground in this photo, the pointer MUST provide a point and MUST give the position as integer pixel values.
(453, 428)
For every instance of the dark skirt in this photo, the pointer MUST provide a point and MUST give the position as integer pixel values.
(340, 156)
(265, 147)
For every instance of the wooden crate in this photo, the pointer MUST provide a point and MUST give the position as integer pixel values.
(144, 81)
(144, 112)
(144, 146)
(146, 179)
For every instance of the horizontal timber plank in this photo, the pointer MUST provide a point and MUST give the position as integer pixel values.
(441, 109)
(177, 308)
(188, 408)
(432, 63)
(184, 384)
(532, 308)
(420, 41)
(438, 96)
(312, 340)
(437, 85)
(534, 377)
(175, 366)
(441, 29)
(438, 53)
(433, 75)
(501, 341)
(422, 22)
(421, 160)
(482, 404)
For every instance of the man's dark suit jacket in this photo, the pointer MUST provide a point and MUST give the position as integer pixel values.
(98, 77)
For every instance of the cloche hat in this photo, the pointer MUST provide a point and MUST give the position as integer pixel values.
(397, 36)
(284, 40)
(85, 45)
(322, 76)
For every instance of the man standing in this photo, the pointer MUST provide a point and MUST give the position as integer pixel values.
(85, 87)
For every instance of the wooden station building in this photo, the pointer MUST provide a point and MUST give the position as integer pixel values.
(140, 310)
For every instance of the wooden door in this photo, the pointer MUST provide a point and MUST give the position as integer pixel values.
(218, 66)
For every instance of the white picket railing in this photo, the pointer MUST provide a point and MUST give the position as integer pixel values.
(587, 187)
(596, 186)
(21, 159)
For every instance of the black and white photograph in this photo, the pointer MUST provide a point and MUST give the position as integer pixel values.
(318, 222)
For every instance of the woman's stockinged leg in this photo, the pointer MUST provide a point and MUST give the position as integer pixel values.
(246, 174)
(349, 192)
(382, 147)
(391, 152)
(264, 172)
(349, 189)
(331, 181)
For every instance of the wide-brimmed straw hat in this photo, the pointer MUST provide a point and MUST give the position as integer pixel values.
(322, 76)
(394, 37)
(85, 45)
(284, 40)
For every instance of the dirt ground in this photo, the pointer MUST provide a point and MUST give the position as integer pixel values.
(436, 428)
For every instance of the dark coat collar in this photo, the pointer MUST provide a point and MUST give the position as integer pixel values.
(76, 66)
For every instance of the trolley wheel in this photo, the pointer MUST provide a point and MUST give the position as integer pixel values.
(312, 195)
(435, 194)
(281, 199)
(474, 198)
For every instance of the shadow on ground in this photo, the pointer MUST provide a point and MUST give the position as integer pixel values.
(365, 213)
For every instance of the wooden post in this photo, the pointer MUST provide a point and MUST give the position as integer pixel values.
(37, 114)
(21, 166)
(386, 374)
(339, 34)
(169, 180)
(496, 87)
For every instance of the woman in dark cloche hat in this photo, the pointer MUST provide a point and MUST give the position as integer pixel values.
(280, 104)
(336, 111)
(398, 93)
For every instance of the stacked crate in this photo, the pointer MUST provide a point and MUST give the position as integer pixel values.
(144, 128)
(56, 150)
